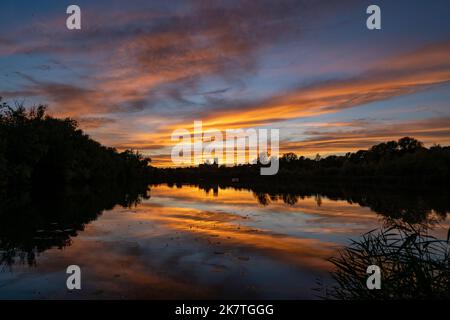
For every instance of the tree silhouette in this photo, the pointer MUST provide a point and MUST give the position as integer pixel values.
(404, 162)
(38, 150)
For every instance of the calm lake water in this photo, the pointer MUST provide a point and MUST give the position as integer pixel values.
(188, 242)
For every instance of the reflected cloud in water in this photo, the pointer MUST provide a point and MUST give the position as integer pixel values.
(195, 242)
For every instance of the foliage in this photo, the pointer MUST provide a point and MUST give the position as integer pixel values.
(37, 150)
(405, 161)
(413, 264)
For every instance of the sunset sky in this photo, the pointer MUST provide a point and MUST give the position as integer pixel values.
(137, 70)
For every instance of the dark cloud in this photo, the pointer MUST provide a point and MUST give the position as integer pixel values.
(179, 44)
(94, 122)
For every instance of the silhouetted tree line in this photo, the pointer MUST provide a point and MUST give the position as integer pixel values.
(37, 149)
(400, 162)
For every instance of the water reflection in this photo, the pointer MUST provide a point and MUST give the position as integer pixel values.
(34, 222)
(208, 241)
(413, 205)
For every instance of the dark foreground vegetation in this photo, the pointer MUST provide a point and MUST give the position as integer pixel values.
(402, 162)
(414, 264)
(37, 151)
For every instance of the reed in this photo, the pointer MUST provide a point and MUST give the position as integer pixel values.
(414, 265)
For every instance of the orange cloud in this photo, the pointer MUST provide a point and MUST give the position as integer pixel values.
(417, 71)
(147, 72)
(430, 131)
